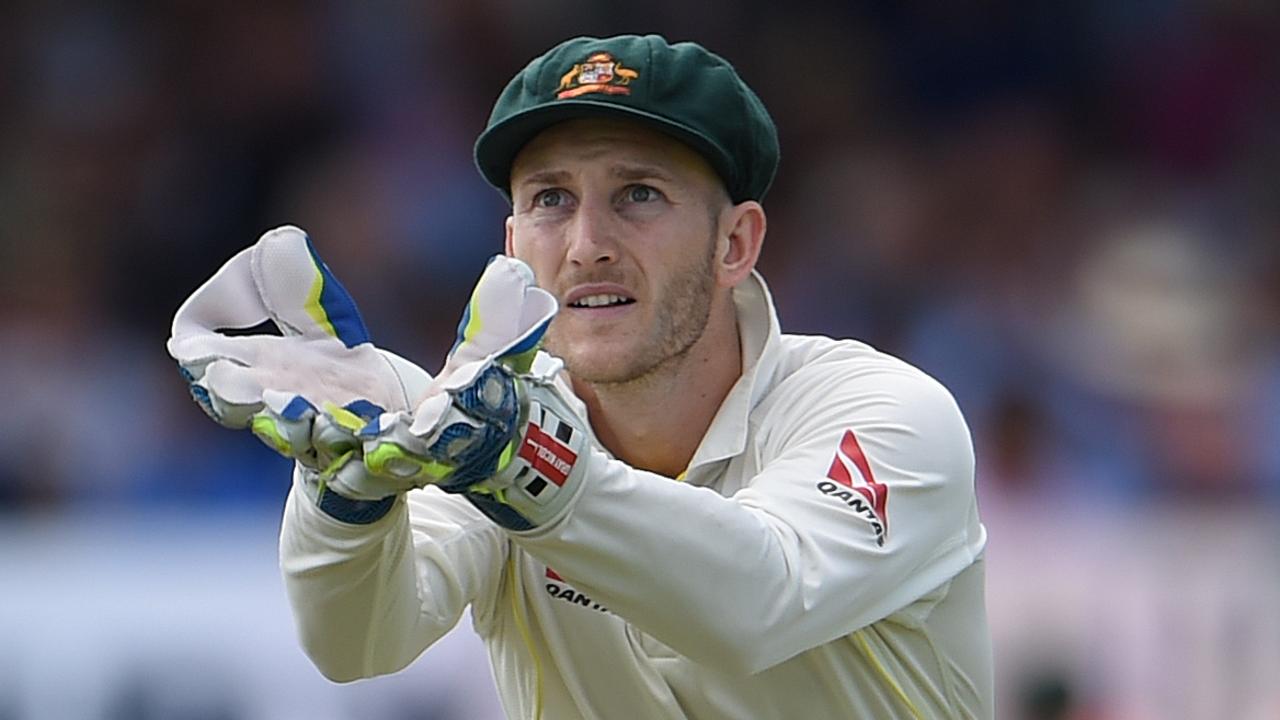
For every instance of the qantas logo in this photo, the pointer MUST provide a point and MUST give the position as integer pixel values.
(850, 480)
(557, 588)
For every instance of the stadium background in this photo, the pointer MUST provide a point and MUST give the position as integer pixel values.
(1068, 212)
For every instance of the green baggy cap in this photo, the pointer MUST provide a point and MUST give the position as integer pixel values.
(683, 90)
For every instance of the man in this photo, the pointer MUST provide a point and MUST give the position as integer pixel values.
(699, 517)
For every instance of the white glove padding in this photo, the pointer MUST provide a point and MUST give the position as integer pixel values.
(489, 428)
(306, 393)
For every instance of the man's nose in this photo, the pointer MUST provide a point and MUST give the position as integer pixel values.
(592, 237)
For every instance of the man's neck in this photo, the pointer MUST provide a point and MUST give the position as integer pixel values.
(656, 422)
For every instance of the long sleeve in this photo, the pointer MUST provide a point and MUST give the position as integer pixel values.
(368, 599)
(859, 501)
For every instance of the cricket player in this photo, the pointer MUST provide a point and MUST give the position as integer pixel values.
(654, 502)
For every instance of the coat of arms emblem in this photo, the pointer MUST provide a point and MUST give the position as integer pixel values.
(600, 72)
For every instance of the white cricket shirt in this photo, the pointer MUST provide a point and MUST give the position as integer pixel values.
(821, 559)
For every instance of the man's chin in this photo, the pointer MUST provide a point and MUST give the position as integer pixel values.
(599, 364)
(599, 371)
(600, 360)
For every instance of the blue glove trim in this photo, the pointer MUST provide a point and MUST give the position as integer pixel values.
(492, 399)
(530, 341)
(459, 335)
(296, 408)
(339, 306)
(354, 512)
(199, 394)
(365, 408)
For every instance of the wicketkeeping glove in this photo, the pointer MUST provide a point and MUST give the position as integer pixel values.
(304, 393)
(490, 428)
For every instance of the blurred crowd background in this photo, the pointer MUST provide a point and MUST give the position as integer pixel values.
(1069, 212)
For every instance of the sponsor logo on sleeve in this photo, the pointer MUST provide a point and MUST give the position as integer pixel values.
(557, 588)
(547, 453)
(850, 481)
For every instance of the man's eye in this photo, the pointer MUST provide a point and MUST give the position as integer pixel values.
(549, 198)
(642, 194)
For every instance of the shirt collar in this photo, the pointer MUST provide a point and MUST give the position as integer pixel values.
(761, 339)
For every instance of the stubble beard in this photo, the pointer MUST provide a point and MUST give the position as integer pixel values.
(683, 312)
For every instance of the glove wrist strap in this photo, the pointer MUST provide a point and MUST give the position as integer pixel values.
(342, 508)
(354, 512)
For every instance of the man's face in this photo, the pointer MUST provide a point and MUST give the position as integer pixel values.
(620, 223)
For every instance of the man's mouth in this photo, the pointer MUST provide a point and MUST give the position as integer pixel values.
(601, 300)
(598, 296)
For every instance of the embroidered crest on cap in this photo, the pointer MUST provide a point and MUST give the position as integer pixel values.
(600, 72)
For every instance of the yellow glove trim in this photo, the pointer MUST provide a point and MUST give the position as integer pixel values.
(389, 459)
(345, 418)
(265, 428)
(313, 306)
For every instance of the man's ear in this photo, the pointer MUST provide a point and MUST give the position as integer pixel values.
(507, 246)
(741, 236)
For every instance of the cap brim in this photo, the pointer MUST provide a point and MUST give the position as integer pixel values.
(497, 146)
